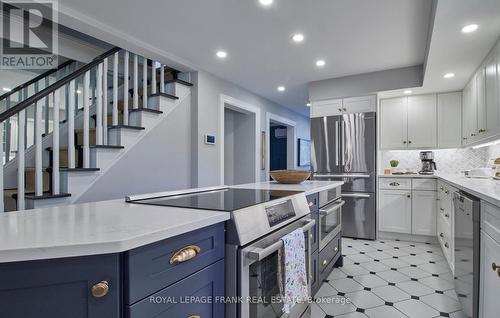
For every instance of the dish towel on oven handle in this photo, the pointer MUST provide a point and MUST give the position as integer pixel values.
(292, 274)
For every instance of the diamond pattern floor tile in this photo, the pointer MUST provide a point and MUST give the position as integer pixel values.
(388, 278)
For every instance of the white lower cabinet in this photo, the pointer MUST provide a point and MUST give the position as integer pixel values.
(395, 211)
(423, 213)
(489, 287)
(411, 209)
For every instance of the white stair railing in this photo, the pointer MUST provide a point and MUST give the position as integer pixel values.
(80, 96)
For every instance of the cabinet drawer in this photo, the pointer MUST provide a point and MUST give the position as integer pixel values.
(196, 295)
(329, 255)
(313, 202)
(395, 183)
(424, 184)
(152, 267)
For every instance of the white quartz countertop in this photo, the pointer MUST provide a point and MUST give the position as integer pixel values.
(485, 189)
(307, 187)
(109, 226)
(94, 228)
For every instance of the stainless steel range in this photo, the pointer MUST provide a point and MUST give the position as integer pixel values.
(259, 219)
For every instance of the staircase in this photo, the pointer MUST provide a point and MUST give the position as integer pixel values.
(82, 125)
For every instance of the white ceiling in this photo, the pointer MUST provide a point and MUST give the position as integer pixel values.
(353, 36)
(456, 52)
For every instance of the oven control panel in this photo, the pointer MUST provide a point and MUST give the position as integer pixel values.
(280, 212)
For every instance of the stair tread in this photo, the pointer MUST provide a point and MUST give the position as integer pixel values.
(149, 110)
(44, 196)
(179, 81)
(79, 169)
(108, 146)
(127, 127)
(165, 95)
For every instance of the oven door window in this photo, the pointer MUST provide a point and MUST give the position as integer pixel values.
(264, 287)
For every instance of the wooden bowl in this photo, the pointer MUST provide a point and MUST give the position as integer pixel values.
(290, 176)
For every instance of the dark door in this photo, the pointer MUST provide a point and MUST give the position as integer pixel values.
(278, 142)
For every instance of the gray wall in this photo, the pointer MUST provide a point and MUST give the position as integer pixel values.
(161, 161)
(363, 84)
(206, 114)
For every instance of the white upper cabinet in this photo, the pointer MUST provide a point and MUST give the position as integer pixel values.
(361, 104)
(491, 95)
(422, 121)
(449, 107)
(335, 107)
(481, 101)
(393, 127)
(331, 107)
(469, 120)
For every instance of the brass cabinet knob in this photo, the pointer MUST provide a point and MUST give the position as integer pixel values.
(495, 268)
(404, 142)
(345, 109)
(311, 203)
(472, 135)
(185, 254)
(447, 191)
(446, 245)
(335, 249)
(441, 235)
(325, 262)
(441, 209)
(409, 196)
(100, 289)
(340, 109)
(409, 141)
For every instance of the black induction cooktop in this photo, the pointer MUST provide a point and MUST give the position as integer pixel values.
(220, 200)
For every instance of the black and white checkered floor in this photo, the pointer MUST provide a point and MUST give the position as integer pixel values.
(387, 278)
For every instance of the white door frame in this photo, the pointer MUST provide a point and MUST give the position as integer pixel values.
(291, 146)
(242, 107)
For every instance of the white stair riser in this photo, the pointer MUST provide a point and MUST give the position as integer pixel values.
(76, 181)
(176, 89)
(123, 137)
(47, 203)
(161, 103)
(143, 119)
(103, 157)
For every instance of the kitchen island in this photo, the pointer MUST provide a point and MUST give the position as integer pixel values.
(110, 258)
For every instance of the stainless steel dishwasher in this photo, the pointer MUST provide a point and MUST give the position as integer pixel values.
(467, 249)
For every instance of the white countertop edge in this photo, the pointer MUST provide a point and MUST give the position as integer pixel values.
(308, 186)
(110, 247)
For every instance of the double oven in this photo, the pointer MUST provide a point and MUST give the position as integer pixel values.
(330, 215)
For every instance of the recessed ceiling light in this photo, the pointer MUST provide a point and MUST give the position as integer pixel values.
(320, 63)
(6, 89)
(298, 37)
(281, 88)
(221, 54)
(308, 104)
(449, 75)
(266, 2)
(407, 91)
(78, 91)
(470, 28)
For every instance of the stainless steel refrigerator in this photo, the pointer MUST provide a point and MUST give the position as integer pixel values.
(344, 148)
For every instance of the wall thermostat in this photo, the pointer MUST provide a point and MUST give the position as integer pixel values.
(209, 139)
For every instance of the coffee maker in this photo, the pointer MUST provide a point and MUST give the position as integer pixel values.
(428, 163)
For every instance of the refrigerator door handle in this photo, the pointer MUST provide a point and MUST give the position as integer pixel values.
(352, 176)
(337, 132)
(342, 124)
(356, 195)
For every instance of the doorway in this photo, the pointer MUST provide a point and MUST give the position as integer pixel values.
(240, 142)
(281, 143)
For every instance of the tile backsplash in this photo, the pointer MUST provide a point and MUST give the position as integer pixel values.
(447, 160)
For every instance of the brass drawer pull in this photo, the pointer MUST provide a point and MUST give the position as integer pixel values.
(446, 245)
(394, 184)
(100, 289)
(325, 262)
(496, 268)
(185, 254)
(311, 203)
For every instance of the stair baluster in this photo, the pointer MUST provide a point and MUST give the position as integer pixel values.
(71, 125)
(86, 120)
(136, 82)
(105, 101)
(98, 108)
(115, 90)
(162, 78)
(38, 148)
(125, 87)
(153, 77)
(56, 102)
(21, 120)
(144, 83)
(7, 133)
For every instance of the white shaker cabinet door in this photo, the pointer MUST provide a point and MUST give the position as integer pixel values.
(449, 120)
(395, 211)
(393, 123)
(332, 107)
(481, 103)
(422, 121)
(491, 87)
(362, 104)
(489, 287)
(424, 216)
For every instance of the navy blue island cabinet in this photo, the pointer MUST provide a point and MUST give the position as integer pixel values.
(180, 277)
